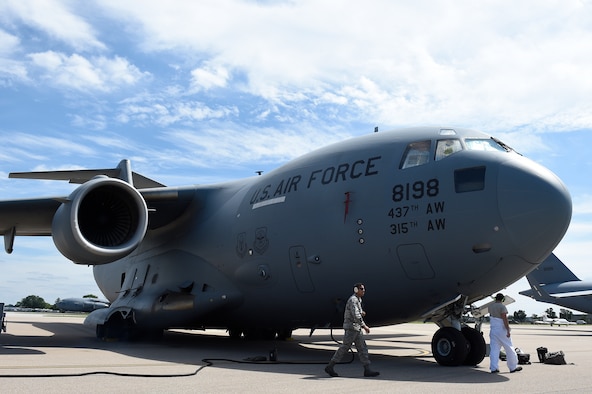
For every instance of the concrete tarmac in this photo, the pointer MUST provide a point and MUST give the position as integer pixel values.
(56, 353)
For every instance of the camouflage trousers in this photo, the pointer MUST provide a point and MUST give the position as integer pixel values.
(352, 337)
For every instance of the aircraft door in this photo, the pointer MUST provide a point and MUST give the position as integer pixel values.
(299, 267)
(414, 261)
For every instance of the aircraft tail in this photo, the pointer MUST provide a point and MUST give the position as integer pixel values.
(552, 270)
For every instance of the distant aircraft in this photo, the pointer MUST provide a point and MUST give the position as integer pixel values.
(430, 219)
(554, 321)
(552, 282)
(81, 304)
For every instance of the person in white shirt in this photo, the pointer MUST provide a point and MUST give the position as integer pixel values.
(499, 335)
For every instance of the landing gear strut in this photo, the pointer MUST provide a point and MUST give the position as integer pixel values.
(455, 343)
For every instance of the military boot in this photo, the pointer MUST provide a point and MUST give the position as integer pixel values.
(330, 371)
(370, 373)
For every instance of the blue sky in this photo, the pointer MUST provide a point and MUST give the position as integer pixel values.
(199, 92)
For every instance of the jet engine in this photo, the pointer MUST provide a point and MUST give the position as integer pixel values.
(103, 220)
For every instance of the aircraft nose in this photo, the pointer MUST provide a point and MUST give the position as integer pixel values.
(535, 207)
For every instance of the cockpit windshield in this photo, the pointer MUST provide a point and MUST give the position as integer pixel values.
(486, 144)
(416, 154)
(445, 148)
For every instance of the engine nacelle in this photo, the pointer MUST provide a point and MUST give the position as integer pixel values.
(104, 220)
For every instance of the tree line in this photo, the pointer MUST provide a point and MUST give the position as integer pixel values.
(36, 302)
(521, 317)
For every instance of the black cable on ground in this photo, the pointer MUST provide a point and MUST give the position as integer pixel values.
(259, 360)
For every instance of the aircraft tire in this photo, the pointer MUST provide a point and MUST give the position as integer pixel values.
(449, 347)
(259, 333)
(235, 333)
(252, 334)
(284, 334)
(100, 330)
(477, 346)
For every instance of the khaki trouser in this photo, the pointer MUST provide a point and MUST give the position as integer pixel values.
(357, 338)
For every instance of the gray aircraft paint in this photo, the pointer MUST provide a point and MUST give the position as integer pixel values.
(552, 282)
(430, 219)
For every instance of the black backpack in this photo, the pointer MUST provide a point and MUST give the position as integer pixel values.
(556, 358)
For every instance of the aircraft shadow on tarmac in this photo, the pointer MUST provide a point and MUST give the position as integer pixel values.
(303, 355)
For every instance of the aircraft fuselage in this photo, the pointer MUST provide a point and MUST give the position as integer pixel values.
(418, 224)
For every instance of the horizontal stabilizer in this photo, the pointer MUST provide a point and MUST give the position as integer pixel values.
(82, 176)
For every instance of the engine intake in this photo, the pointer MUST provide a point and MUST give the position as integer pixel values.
(103, 220)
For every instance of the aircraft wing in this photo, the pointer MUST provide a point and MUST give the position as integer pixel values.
(123, 188)
(82, 176)
(27, 216)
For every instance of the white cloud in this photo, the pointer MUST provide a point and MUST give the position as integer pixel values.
(97, 122)
(209, 77)
(55, 19)
(231, 145)
(9, 68)
(82, 74)
(582, 204)
(166, 109)
(45, 146)
(481, 65)
(8, 43)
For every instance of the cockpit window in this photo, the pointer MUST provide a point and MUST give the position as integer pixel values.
(416, 154)
(445, 148)
(486, 144)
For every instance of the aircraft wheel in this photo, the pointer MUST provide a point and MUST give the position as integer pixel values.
(477, 346)
(267, 334)
(252, 334)
(259, 333)
(235, 333)
(449, 346)
(284, 334)
(100, 332)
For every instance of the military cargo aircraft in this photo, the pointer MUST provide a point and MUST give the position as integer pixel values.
(430, 219)
(554, 283)
(81, 304)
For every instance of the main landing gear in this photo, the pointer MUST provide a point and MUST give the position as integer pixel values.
(456, 343)
(453, 347)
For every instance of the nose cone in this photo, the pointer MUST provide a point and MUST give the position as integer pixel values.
(535, 207)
